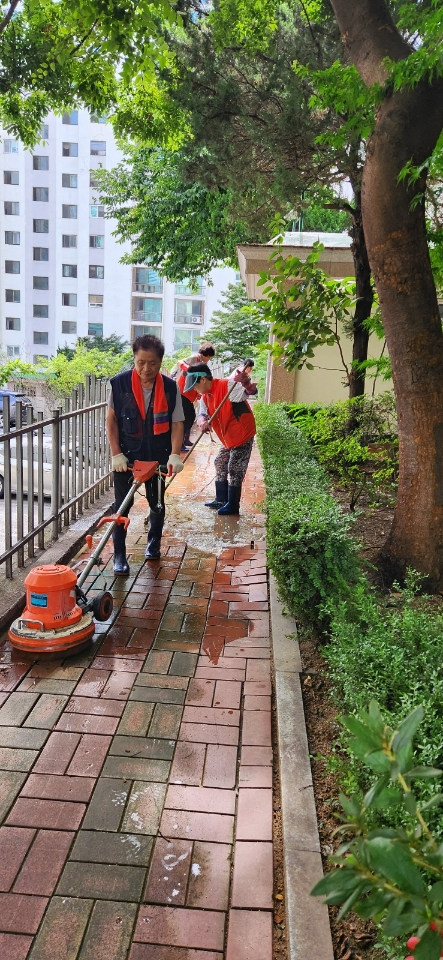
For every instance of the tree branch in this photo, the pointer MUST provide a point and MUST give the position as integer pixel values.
(5, 21)
(370, 36)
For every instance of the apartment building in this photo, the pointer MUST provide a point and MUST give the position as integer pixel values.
(60, 271)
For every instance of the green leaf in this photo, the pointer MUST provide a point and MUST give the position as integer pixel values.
(407, 730)
(436, 892)
(394, 862)
(429, 947)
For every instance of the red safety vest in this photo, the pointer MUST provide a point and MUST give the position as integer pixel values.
(191, 395)
(234, 423)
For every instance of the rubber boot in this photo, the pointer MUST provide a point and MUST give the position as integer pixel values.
(156, 521)
(152, 551)
(221, 495)
(233, 504)
(121, 566)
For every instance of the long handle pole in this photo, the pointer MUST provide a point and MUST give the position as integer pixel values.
(118, 513)
(234, 384)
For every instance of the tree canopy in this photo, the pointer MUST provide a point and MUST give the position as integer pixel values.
(238, 327)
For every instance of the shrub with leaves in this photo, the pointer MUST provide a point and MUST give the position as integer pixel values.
(310, 550)
(392, 874)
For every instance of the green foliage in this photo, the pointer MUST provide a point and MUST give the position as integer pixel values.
(238, 326)
(64, 374)
(181, 229)
(392, 874)
(306, 307)
(113, 344)
(356, 441)
(16, 370)
(55, 54)
(310, 550)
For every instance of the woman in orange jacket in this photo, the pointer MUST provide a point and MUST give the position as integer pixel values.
(235, 428)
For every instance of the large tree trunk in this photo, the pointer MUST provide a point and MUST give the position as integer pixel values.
(365, 298)
(408, 125)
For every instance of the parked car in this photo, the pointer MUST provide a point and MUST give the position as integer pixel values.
(13, 399)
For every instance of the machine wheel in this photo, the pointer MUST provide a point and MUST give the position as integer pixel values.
(102, 606)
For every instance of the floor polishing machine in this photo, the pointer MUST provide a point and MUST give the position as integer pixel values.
(58, 619)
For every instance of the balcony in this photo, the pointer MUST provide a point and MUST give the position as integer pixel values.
(147, 287)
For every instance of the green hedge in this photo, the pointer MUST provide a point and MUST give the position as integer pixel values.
(310, 550)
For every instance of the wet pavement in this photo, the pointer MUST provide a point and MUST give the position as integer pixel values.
(136, 778)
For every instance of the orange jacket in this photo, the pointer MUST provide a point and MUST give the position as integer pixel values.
(234, 423)
(191, 395)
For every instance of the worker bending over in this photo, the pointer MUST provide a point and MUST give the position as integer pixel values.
(234, 426)
(144, 422)
(178, 373)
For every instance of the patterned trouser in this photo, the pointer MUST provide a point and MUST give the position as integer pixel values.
(233, 462)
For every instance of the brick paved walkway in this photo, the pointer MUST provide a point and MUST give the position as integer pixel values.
(135, 784)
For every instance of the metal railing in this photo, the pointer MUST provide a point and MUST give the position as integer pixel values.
(70, 466)
(147, 287)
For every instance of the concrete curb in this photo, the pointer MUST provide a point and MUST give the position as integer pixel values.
(62, 551)
(308, 929)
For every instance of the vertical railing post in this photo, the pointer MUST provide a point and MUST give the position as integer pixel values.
(30, 446)
(7, 481)
(40, 483)
(74, 452)
(19, 471)
(87, 444)
(81, 446)
(66, 460)
(55, 486)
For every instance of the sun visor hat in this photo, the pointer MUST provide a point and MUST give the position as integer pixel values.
(191, 380)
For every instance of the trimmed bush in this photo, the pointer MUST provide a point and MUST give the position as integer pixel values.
(310, 550)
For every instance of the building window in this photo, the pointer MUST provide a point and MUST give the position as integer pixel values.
(69, 180)
(69, 240)
(146, 309)
(96, 272)
(12, 351)
(97, 241)
(186, 340)
(41, 226)
(11, 236)
(41, 253)
(40, 163)
(71, 118)
(95, 329)
(12, 296)
(96, 210)
(70, 149)
(138, 330)
(95, 300)
(12, 266)
(13, 323)
(98, 148)
(69, 211)
(40, 310)
(189, 311)
(39, 358)
(44, 131)
(40, 193)
(12, 208)
(40, 337)
(95, 118)
(69, 269)
(11, 176)
(92, 181)
(69, 299)
(69, 326)
(186, 288)
(147, 280)
(41, 283)
(10, 146)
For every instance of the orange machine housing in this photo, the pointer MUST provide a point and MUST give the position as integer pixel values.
(52, 621)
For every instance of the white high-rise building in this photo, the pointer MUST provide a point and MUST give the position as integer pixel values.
(60, 271)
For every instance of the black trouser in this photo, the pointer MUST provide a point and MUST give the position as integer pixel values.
(155, 493)
(189, 412)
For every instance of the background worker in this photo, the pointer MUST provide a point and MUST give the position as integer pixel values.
(251, 388)
(204, 355)
(144, 422)
(235, 428)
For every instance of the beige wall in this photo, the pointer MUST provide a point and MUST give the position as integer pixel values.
(326, 382)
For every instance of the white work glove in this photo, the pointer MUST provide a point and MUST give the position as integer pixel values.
(174, 464)
(203, 423)
(120, 463)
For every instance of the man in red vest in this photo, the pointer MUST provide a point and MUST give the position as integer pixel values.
(234, 426)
